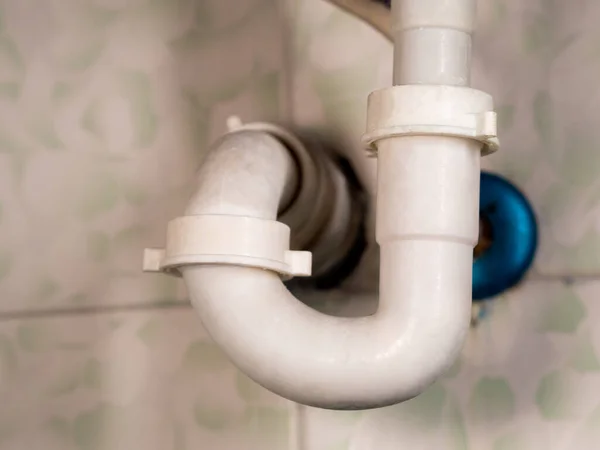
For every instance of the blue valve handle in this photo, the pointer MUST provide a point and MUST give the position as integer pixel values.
(514, 237)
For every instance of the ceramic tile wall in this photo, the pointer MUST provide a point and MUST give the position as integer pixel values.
(528, 377)
(150, 380)
(106, 107)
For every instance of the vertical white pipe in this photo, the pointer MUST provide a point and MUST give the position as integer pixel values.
(432, 41)
(428, 189)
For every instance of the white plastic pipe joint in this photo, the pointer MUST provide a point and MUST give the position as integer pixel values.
(432, 41)
(428, 133)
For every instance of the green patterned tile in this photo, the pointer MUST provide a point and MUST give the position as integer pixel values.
(126, 387)
(554, 395)
(563, 312)
(432, 420)
(584, 356)
(492, 400)
(511, 441)
(91, 124)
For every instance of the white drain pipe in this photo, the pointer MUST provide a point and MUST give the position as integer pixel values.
(432, 41)
(428, 139)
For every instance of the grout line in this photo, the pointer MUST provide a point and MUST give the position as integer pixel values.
(59, 312)
(297, 426)
(564, 277)
(287, 14)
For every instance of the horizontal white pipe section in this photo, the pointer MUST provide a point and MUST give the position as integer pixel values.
(432, 41)
(425, 284)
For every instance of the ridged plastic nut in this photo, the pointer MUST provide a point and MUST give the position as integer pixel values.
(415, 110)
(228, 240)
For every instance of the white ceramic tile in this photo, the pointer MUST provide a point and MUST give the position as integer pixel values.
(150, 380)
(107, 107)
(330, 430)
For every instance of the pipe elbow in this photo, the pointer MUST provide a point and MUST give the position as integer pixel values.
(335, 362)
(427, 225)
(227, 182)
(425, 277)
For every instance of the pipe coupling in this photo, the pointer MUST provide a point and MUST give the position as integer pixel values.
(430, 110)
(228, 240)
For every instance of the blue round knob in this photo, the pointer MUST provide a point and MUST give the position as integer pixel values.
(512, 232)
